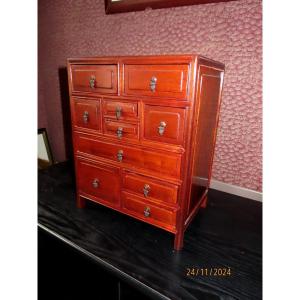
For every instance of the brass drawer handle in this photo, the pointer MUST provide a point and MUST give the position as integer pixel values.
(147, 211)
(95, 183)
(146, 190)
(85, 117)
(153, 82)
(118, 112)
(119, 132)
(92, 81)
(162, 127)
(120, 155)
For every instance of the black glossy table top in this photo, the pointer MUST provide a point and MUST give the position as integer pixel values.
(227, 234)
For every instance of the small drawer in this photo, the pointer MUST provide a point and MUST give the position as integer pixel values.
(150, 188)
(156, 80)
(148, 212)
(95, 78)
(120, 110)
(120, 130)
(161, 163)
(164, 124)
(86, 114)
(98, 180)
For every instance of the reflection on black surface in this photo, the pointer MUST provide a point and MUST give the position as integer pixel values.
(196, 194)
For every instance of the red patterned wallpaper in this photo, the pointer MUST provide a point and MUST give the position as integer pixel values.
(229, 32)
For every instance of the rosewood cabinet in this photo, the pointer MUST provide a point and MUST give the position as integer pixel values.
(144, 131)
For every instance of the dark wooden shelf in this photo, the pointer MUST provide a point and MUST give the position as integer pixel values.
(121, 6)
(226, 234)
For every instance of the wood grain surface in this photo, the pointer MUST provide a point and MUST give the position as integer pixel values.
(143, 80)
(227, 235)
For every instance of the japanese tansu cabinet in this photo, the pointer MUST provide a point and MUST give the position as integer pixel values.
(144, 131)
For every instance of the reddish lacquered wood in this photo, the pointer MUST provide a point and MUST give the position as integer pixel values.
(96, 179)
(86, 114)
(173, 120)
(132, 157)
(106, 78)
(174, 162)
(205, 133)
(125, 130)
(157, 190)
(140, 208)
(169, 80)
(128, 109)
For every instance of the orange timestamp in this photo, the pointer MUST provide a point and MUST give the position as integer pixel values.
(217, 272)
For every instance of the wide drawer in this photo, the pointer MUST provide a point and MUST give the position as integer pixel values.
(148, 212)
(120, 110)
(95, 78)
(133, 156)
(164, 124)
(98, 180)
(86, 113)
(120, 130)
(150, 188)
(156, 80)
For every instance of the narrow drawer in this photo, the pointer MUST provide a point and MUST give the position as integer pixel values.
(164, 124)
(86, 113)
(98, 180)
(134, 157)
(95, 78)
(120, 110)
(148, 212)
(120, 130)
(156, 80)
(150, 188)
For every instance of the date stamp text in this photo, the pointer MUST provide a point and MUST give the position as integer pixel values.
(217, 272)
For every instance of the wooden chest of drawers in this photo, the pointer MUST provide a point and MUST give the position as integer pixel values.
(144, 131)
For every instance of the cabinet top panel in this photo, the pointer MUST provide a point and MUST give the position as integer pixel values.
(152, 59)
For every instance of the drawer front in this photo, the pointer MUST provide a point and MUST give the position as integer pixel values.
(161, 163)
(87, 114)
(120, 110)
(120, 130)
(148, 212)
(156, 80)
(150, 188)
(164, 124)
(99, 180)
(95, 78)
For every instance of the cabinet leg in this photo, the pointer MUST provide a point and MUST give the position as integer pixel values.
(80, 202)
(178, 241)
(204, 203)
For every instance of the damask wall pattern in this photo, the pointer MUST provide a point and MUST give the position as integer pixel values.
(229, 32)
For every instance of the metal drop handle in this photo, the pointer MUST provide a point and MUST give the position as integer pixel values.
(153, 82)
(85, 117)
(96, 183)
(147, 211)
(120, 155)
(119, 132)
(92, 81)
(118, 112)
(146, 190)
(161, 128)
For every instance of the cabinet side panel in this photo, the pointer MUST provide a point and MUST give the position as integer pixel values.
(211, 81)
